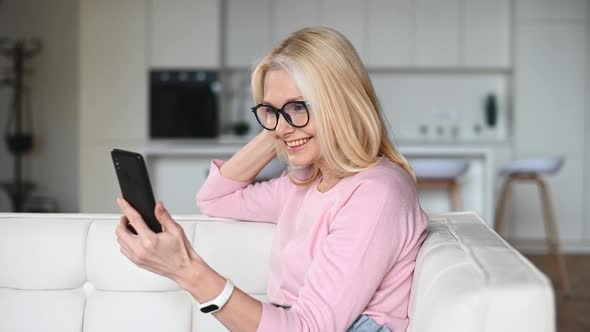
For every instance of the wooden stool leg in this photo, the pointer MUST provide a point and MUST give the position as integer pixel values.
(502, 206)
(455, 196)
(553, 237)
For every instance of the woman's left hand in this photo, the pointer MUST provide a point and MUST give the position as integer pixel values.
(168, 253)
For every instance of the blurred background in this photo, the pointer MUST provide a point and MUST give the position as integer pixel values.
(483, 83)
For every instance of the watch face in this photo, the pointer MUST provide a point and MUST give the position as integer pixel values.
(209, 308)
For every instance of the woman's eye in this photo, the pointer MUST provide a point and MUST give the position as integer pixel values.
(298, 107)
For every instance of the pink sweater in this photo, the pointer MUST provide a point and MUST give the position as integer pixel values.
(336, 255)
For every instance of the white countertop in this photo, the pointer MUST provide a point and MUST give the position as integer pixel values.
(478, 184)
(228, 145)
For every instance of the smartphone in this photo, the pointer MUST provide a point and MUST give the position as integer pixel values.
(135, 186)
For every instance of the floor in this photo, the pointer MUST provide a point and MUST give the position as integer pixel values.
(573, 314)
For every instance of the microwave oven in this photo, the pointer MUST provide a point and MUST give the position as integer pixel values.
(183, 104)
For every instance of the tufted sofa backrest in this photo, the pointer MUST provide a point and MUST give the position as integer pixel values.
(64, 272)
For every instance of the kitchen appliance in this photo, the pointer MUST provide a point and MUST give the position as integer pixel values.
(184, 104)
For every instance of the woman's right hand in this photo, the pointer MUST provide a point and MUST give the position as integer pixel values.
(251, 159)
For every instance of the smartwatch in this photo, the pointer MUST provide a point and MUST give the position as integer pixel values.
(217, 303)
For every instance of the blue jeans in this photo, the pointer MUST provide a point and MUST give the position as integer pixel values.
(366, 324)
(363, 323)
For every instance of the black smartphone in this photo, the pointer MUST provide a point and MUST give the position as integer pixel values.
(135, 186)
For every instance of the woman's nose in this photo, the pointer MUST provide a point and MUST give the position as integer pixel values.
(283, 127)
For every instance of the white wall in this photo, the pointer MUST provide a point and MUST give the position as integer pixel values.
(54, 162)
(113, 94)
(10, 11)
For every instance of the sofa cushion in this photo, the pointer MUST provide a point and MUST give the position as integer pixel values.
(41, 310)
(43, 253)
(138, 311)
(237, 250)
(109, 269)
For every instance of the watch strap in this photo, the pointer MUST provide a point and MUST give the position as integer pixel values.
(217, 303)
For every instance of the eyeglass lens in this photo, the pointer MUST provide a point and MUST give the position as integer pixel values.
(297, 115)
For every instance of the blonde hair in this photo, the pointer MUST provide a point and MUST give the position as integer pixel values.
(329, 73)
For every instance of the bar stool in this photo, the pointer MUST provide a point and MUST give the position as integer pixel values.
(432, 173)
(531, 170)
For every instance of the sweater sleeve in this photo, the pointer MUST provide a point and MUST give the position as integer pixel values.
(226, 198)
(376, 227)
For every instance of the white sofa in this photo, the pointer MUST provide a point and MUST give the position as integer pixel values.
(64, 272)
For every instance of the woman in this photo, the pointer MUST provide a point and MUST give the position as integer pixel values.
(349, 224)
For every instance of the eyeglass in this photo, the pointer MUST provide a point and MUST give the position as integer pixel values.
(294, 112)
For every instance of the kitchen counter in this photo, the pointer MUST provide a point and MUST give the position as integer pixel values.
(169, 159)
(231, 144)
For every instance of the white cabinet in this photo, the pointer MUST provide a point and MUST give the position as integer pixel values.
(289, 16)
(386, 33)
(346, 16)
(530, 10)
(184, 33)
(389, 33)
(178, 173)
(441, 34)
(437, 33)
(486, 33)
(176, 181)
(249, 31)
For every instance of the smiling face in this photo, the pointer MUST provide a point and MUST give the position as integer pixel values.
(300, 144)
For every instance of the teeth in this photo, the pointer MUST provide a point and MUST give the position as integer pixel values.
(298, 142)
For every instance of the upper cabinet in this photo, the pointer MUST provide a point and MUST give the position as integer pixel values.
(487, 33)
(386, 33)
(346, 16)
(249, 31)
(465, 34)
(291, 16)
(184, 33)
(389, 33)
(437, 33)
(534, 10)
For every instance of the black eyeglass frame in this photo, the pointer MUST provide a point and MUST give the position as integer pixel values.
(286, 116)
